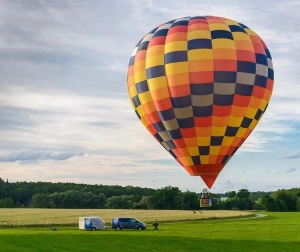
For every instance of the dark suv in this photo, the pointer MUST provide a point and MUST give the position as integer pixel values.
(119, 223)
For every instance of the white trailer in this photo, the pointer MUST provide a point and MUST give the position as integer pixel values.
(92, 223)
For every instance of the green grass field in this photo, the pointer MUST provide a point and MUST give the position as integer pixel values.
(275, 232)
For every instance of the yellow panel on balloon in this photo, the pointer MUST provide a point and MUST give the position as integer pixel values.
(141, 111)
(188, 161)
(140, 76)
(204, 159)
(250, 32)
(253, 124)
(250, 112)
(263, 105)
(145, 97)
(235, 121)
(218, 131)
(230, 22)
(218, 26)
(176, 68)
(198, 34)
(241, 132)
(158, 82)
(194, 151)
(203, 141)
(199, 54)
(214, 150)
(132, 91)
(223, 43)
(155, 61)
(241, 36)
(227, 141)
(175, 46)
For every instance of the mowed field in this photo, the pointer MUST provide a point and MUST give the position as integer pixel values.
(42, 217)
(177, 232)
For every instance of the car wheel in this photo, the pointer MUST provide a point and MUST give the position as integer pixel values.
(118, 228)
(93, 228)
(140, 228)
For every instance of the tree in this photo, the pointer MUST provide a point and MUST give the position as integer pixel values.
(8, 203)
(40, 200)
(269, 203)
(282, 207)
(231, 194)
(258, 207)
(167, 198)
(243, 194)
(3, 193)
(100, 200)
(256, 195)
(217, 203)
(122, 202)
(145, 203)
(231, 203)
(298, 205)
(190, 201)
(286, 200)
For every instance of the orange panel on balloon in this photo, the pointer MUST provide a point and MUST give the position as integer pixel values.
(178, 91)
(201, 77)
(203, 131)
(203, 122)
(188, 133)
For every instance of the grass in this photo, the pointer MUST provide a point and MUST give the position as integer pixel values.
(275, 232)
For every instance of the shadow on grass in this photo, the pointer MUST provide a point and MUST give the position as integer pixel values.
(119, 241)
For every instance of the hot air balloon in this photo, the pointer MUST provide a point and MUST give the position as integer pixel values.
(200, 85)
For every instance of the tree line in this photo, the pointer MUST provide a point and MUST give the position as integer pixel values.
(78, 196)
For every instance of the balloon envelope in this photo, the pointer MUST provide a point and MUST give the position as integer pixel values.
(200, 85)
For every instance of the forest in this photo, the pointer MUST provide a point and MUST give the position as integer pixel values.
(85, 196)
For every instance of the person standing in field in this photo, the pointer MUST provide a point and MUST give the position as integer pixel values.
(155, 224)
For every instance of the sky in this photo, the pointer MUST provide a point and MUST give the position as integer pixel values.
(65, 114)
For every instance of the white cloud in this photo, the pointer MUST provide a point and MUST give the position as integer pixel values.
(291, 170)
(34, 156)
(293, 154)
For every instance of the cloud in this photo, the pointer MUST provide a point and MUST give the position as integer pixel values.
(291, 170)
(28, 156)
(294, 154)
(63, 87)
(228, 185)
